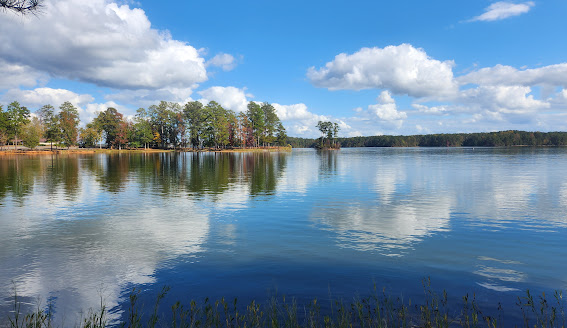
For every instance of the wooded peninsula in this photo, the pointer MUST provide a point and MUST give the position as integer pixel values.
(167, 125)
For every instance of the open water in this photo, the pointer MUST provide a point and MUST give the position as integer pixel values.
(305, 224)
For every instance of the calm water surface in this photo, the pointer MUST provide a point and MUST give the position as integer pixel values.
(305, 224)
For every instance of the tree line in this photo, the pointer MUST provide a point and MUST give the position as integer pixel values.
(487, 139)
(165, 125)
(483, 139)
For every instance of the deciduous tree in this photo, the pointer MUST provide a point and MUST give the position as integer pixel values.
(69, 120)
(195, 117)
(32, 133)
(3, 128)
(50, 122)
(108, 122)
(90, 135)
(18, 117)
(256, 116)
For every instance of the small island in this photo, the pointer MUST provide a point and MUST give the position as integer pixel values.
(329, 134)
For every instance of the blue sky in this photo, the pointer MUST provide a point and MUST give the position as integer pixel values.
(375, 67)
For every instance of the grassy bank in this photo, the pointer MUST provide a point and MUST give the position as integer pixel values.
(377, 310)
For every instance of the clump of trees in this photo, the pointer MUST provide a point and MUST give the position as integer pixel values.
(329, 133)
(165, 125)
(12, 123)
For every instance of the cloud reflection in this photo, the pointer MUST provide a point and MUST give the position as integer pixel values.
(389, 229)
(75, 260)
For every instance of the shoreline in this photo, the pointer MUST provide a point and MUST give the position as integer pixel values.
(21, 151)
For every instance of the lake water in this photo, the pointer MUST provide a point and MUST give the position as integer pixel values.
(306, 224)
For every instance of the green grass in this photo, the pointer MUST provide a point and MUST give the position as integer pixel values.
(377, 310)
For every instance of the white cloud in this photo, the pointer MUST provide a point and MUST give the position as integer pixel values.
(100, 42)
(386, 108)
(294, 112)
(434, 110)
(298, 120)
(384, 114)
(147, 97)
(555, 75)
(504, 99)
(401, 69)
(560, 99)
(44, 96)
(224, 61)
(36, 98)
(16, 75)
(90, 111)
(502, 10)
(228, 97)
(487, 99)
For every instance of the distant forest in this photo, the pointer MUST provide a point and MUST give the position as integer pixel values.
(488, 139)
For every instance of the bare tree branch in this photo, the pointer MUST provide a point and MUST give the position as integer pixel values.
(23, 7)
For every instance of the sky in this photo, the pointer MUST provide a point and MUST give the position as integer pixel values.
(374, 67)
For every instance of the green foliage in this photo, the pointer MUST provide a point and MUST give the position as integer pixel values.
(164, 125)
(281, 136)
(166, 120)
(296, 142)
(377, 310)
(271, 121)
(4, 126)
(257, 121)
(490, 139)
(18, 117)
(195, 117)
(140, 133)
(31, 133)
(329, 132)
(50, 122)
(217, 128)
(90, 135)
(108, 122)
(69, 122)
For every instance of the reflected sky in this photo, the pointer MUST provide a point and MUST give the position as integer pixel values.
(75, 227)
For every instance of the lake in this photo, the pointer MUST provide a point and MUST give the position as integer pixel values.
(305, 224)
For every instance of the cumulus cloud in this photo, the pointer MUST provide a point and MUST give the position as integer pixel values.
(503, 99)
(502, 10)
(224, 61)
(555, 75)
(228, 97)
(16, 75)
(386, 108)
(42, 96)
(148, 97)
(560, 99)
(38, 97)
(401, 69)
(103, 43)
(91, 110)
(434, 110)
(298, 120)
(383, 115)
